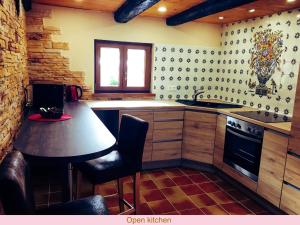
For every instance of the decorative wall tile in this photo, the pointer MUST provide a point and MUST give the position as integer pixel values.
(224, 72)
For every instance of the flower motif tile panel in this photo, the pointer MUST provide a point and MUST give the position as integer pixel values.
(237, 41)
(224, 73)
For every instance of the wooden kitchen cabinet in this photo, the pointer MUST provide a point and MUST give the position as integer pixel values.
(272, 165)
(290, 199)
(220, 141)
(292, 169)
(167, 135)
(199, 136)
(147, 116)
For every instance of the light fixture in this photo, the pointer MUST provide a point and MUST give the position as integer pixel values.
(162, 9)
(298, 16)
(289, 1)
(251, 11)
(221, 17)
(78, 1)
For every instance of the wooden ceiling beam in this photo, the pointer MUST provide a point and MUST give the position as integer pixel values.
(206, 8)
(132, 8)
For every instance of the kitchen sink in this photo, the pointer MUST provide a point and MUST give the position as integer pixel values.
(208, 104)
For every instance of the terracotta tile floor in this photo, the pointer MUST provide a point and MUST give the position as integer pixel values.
(180, 191)
(174, 191)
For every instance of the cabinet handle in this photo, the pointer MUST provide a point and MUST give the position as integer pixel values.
(291, 185)
(294, 154)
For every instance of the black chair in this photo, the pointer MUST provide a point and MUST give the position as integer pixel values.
(16, 194)
(125, 161)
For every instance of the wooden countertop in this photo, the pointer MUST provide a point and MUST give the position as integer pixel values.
(284, 127)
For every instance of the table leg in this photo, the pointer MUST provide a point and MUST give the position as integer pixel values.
(70, 181)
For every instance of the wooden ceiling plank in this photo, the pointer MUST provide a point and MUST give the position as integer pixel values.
(131, 9)
(204, 9)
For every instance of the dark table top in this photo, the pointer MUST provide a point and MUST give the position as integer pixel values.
(81, 138)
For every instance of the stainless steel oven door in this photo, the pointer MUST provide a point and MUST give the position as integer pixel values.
(242, 151)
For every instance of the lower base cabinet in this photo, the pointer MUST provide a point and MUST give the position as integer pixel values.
(199, 136)
(290, 199)
(272, 166)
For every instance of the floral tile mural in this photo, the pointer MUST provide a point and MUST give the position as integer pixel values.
(225, 72)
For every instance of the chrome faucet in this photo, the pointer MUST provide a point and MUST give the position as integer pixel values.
(196, 93)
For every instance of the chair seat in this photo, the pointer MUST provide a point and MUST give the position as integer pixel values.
(105, 168)
(86, 206)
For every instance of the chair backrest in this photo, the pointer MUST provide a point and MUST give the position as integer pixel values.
(15, 191)
(131, 141)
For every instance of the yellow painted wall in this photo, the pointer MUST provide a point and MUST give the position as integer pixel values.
(80, 27)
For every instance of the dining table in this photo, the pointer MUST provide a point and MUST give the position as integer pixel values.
(83, 137)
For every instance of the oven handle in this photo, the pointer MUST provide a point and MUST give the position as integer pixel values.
(243, 136)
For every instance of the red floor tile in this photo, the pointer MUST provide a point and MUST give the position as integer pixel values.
(173, 192)
(199, 178)
(183, 180)
(182, 203)
(221, 197)
(195, 211)
(153, 195)
(214, 210)
(209, 187)
(145, 209)
(112, 201)
(171, 213)
(236, 209)
(161, 206)
(164, 182)
(157, 174)
(202, 200)
(148, 185)
(114, 210)
(191, 189)
(174, 172)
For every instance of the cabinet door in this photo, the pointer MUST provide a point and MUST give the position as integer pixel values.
(147, 116)
(292, 169)
(272, 166)
(199, 136)
(220, 141)
(290, 199)
(294, 140)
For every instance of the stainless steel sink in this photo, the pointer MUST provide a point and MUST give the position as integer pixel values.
(208, 104)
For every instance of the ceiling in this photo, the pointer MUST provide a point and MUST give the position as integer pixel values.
(262, 8)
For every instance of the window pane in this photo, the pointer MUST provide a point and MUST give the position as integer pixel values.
(109, 67)
(136, 67)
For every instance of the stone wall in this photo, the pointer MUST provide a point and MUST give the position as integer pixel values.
(13, 72)
(45, 61)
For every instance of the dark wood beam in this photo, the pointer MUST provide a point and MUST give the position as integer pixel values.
(27, 5)
(132, 8)
(206, 8)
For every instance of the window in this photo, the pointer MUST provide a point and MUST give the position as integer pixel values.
(122, 67)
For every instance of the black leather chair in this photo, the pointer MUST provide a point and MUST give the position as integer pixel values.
(125, 161)
(16, 194)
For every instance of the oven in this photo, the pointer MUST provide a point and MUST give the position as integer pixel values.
(243, 144)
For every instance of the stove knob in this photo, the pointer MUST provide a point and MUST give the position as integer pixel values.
(249, 130)
(230, 122)
(233, 124)
(239, 126)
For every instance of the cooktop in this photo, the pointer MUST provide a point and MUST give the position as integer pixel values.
(265, 116)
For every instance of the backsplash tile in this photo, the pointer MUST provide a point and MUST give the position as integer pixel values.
(224, 72)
